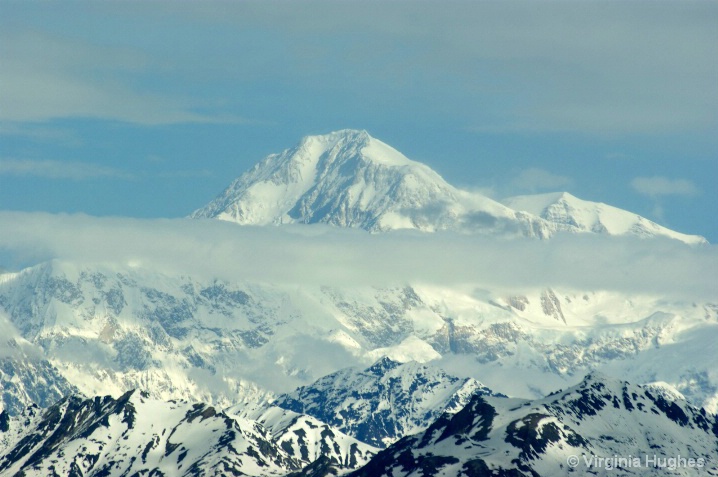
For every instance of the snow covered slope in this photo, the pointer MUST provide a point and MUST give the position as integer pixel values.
(25, 380)
(134, 435)
(307, 438)
(110, 329)
(384, 402)
(570, 213)
(572, 432)
(26, 376)
(137, 435)
(349, 179)
(106, 329)
(582, 430)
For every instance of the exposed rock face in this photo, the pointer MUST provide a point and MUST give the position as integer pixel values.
(29, 379)
(101, 329)
(137, 435)
(384, 402)
(563, 434)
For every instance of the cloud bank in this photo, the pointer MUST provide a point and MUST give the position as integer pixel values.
(660, 186)
(319, 255)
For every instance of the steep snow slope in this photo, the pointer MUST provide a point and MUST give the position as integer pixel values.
(567, 212)
(580, 431)
(602, 426)
(107, 329)
(30, 379)
(26, 376)
(384, 402)
(110, 329)
(307, 438)
(349, 179)
(134, 435)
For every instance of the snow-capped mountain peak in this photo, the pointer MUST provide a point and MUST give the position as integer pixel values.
(568, 212)
(380, 404)
(598, 417)
(350, 140)
(137, 435)
(348, 178)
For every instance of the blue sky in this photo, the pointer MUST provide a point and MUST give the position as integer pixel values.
(150, 109)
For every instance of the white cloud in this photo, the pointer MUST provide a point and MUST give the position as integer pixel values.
(660, 186)
(534, 179)
(323, 255)
(47, 77)
(41, 133)
(50, 169)
(658, 212)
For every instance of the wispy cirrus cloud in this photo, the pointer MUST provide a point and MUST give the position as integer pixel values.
(40, 133)
(657, 186)
(47, 77)
(79, 171)
(51, 169)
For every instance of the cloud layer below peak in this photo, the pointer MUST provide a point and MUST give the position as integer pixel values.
(320, 255)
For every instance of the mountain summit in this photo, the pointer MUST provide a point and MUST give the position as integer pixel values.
(570, 212)
(349, 179)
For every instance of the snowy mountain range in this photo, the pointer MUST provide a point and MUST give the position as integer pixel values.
(349, 179)
(132, 435)
(106, 329)
(136, 435)
(600, 426)
(318, 378)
